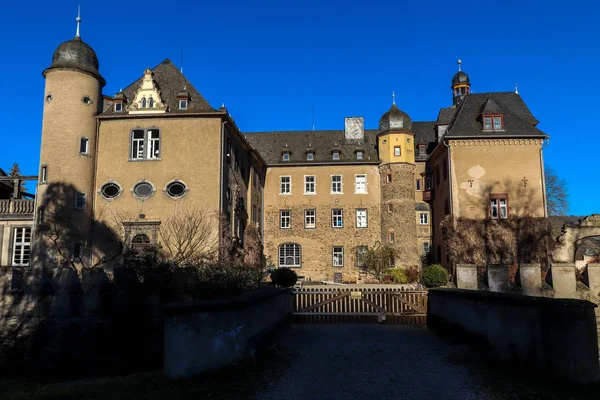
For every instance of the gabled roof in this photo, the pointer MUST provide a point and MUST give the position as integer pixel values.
(518, 120)
(170, 81)
(271, 145)
(490, 107)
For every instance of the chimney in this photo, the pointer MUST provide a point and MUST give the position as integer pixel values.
(354, 129)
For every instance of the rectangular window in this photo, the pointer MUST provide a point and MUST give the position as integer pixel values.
(361, 218)
(388, 178)
(390, 208)
(118, 106)
(338, 256)
(336, 155)
(137, 144)
(336, 183)
(359, 155)
(360, 184)
(84, 145)
(44, 174)
(80, 200)
(498, 123)
(391, 237)
(289, 255)
(78, 248)
(422, 149)
(310, 156)
(21, 246)
(310, 184)
(286, 157)
(397, 151)
(337, 218)
(418, 185)
(487, 123)
(40, 215)
(310, 219)
(425, 248)
(153, 143)
(361, 253)
(423, 218)
(183, 104)
(285, 185)
(428, 183)
(499, 206)
(285, 219)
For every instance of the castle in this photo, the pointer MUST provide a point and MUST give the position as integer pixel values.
(156, 149)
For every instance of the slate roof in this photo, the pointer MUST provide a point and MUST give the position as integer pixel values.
(271, 145)
(446, 115)
(169, 81)
(6, 187)
(518, 120)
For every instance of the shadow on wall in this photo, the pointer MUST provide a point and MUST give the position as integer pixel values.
(65, 229)
(55, 325)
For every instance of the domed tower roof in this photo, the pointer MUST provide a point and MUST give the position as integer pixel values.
(460, 77)
(394, 119)
(77, 55)
(461, 85)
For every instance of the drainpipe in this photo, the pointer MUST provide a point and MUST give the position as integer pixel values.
(94, 186)
(223, 143)
(450, 195)
(544, 144)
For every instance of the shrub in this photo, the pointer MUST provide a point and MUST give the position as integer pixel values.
(435, 275)
(398, 275)
(413, 274)
(284, 277)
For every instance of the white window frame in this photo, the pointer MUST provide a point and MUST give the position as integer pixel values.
(288, 185)
(307, 184)
(424, 218)
(500, 206)
(362, 218)
(153, 145)
(359, 155)
(498, 119)
(335, 217)
(183, 104)
(285, 157)
(21, 248)
(336, 155)
(426, 248)
(310, 219)
(80, 196)
(356, 184)
(85, 140)
(310, 156)
(146, 147)
(488, 127)
(44, 174)
(337, 256)
(334, 184)
(287, 251)
(503, 208)
(397, 151)
(118, 106)
(285, 219)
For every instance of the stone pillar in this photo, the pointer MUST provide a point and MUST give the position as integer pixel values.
(498, 277)
(593, 271)
(531, 279)
(564, 282)
(466, 276)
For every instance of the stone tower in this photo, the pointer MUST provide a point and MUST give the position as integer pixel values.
(72, 99)
(395, 143)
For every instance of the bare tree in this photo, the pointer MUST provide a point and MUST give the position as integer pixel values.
(189, 235)
(556, 193)
(378, 259)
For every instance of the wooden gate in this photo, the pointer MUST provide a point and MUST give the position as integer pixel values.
(355, 302)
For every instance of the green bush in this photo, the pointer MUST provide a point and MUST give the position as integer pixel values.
(284, 277)
(398, 275)
(435, 275)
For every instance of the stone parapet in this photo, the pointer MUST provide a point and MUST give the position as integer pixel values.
(498, 277)
(530, 276)
(563, 280)
(466, 276)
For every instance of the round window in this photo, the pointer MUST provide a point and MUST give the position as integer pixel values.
(176, 189)
(143, 190)
(110, 190)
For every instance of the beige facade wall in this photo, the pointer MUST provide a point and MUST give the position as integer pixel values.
(190, 152)
(424, 231)
(485, 167)
(317, 243)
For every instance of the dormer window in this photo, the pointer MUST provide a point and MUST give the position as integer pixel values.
(118, 107)
(422, 149)
(359, 155)
(310, 156)
(286, 157)
(336, 155)
(183, 104)
(493, 122)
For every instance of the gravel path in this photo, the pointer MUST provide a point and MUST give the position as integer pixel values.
(370, 362)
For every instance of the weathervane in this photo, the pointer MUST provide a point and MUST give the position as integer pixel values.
(78, 19)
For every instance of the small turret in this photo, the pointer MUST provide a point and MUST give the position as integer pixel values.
(461, 85)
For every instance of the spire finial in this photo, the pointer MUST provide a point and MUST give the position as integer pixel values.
(516, 88)
(393, 97)
(459, 62)
(78, 19)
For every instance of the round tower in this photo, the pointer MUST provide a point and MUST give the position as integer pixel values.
(395, 143)
(72, 100)
(461, 85)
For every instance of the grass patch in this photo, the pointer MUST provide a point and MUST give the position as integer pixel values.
(241, 381)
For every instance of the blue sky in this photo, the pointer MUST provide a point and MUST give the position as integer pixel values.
(270, 61)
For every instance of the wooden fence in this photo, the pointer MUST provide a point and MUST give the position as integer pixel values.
(355, 302)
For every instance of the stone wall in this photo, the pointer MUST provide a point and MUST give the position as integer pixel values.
(208, 335)
(55, 324)
(555, 335)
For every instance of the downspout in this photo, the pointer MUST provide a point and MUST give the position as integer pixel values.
(450, 196)
(220, 216)
(544, 144)
(93, 194)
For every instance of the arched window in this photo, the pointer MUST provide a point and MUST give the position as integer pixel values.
(143, 103)
(150, 102)
(290, 255)
(140, 242)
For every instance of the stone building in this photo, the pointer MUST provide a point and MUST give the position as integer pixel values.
(131, 161)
